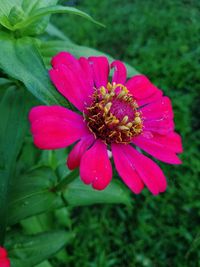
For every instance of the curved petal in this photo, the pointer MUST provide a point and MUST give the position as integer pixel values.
(95, 167)
(64, 58)
(126, 169)
(156, 96)
(120, 72)
(161, 125)
(69, 77)
(5, 262)
(172, 141)
(148, 171)
(158, 116)
(161, 108)
(140, 86)
(74, 158)
(100, 69)
(143, 90)
(3, 253)
(67, 85)
(87, 71)
(161, 147)
(56, 127)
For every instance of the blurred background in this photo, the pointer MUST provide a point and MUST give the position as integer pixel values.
(162, 40)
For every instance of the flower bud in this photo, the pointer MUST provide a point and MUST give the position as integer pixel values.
(16, 15)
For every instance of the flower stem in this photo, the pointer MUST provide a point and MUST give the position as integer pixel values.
(68, 179)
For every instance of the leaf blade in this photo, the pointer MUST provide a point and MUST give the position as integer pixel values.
(20, 59)
(31, 194)
(49, 49)
(27, 251)
(53, 10)
(79, 194)
(12, 131)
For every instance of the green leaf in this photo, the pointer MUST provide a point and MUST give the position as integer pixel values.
(4, 81)
(30, 6)
(79, 194)
(41, 12)
(12, 126)
(5, 8)
(12, 131)
(67, 180)
(14, 11)
(53, 31)
(16, 15)
(37, 192)
(50, 48)
(28, 251)
(38, 224)
(20, 59)
(32, 17)
(32, 194)
(41, 24)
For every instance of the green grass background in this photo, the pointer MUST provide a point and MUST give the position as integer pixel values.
(162, 40)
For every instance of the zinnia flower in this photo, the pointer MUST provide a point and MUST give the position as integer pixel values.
(111, 116)
(4, 261)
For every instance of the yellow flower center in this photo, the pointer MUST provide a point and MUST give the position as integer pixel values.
(113, 115)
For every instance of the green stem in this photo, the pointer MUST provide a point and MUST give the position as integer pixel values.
(68, 179)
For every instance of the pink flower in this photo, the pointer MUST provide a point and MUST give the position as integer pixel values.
(4, 261)
(112, 116)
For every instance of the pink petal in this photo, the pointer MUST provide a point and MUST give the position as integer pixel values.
(161, 125)
(95, 167)
(64, 58)
(3, 253)
(156, 96)
(4, 263)
(161, 147)
(67, 85)
(87, 71)
(126, 169)
(100, 68)
(72, 80)
(172, 141)
(58, 111)
(148, 171)
(140, 87)
(161, 108)
(74, 158)
(120, 72)
(56, 127)
(158, 116)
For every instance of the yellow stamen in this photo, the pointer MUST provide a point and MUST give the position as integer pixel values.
(122, 127)
(137, 114)
(100, 128)
(102, 90)
(112, 134)
(137, 120)
(107, 96)
(107, 107)
(103, 121)
(129, 125)
(125, 119)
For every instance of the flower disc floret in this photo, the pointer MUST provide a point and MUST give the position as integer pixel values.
(113, 115)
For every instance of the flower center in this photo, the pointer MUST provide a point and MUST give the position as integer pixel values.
(113, 115)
